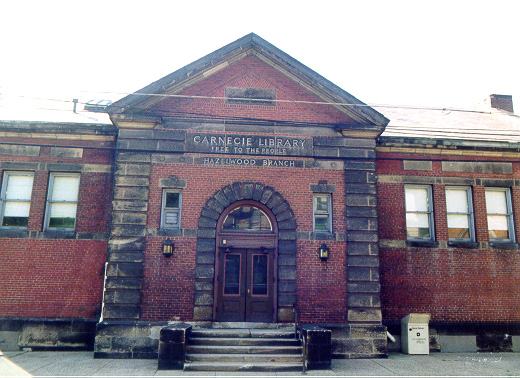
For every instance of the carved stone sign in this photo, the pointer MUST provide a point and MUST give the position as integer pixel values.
(237, 144)
(250, 162)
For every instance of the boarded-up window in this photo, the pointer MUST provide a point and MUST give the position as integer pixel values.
(250, 96)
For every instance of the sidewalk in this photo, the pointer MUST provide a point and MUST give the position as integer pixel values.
(438, 364)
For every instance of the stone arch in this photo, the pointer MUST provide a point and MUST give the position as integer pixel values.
(206, 246)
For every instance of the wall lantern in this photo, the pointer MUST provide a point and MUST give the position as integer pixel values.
(324, 252)
(167, 248)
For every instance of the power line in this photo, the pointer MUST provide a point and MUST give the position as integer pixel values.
(396, 129)
(296, 102)
(373, 105)
(502, 133)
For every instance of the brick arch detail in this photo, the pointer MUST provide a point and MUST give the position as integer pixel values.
(206, 246)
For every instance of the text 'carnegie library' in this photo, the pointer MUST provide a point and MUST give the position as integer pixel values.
(251, 145)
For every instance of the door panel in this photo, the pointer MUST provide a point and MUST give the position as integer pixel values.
(245, 285)
(259, 286)
(231, 286)
(232, 271)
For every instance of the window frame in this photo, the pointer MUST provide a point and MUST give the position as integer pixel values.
(319, 212)
(49, 202)
(3, 201)
(470, 214)
(164, 209)
(509, 215)
(429, 212)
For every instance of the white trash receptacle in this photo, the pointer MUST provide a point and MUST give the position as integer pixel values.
(415, 335)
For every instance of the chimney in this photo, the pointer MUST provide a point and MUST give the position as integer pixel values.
(501, 102)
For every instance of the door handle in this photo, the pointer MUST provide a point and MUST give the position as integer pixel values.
(248, 291)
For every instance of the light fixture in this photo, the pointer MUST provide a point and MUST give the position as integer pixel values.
(323, 252)
(167, 248)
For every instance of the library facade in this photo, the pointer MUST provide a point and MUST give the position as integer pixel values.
(244, 190)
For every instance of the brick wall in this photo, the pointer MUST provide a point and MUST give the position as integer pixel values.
(168, 284)
(453, 284)
(59, 275)
(251, 72)
(322, 286)
(51, 278)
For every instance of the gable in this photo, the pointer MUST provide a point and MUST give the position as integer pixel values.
(249, 90)
(249, 61)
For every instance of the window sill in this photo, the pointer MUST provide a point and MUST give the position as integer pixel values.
(323, 236)
(173, 232)
(504, 245)
(422, 243)
(59, 234)
(463, 244)
(14, 233)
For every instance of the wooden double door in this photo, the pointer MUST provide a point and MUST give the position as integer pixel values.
(245, 284)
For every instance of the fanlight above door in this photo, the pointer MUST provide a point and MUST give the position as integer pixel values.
(248, 219)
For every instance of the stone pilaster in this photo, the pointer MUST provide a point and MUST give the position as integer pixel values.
(126, 245)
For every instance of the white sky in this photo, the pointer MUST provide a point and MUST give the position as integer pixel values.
(427, 53)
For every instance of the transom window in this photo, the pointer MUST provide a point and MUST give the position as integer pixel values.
(15, 199)
(419, 212)
(247, 218)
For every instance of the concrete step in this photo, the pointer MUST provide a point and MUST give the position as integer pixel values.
(245, 341)
(251, 325)
(250, 358)
(243, 333)
(241, 349)
(285, 333)
(237, 366)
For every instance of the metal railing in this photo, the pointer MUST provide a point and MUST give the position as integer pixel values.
(298, 333)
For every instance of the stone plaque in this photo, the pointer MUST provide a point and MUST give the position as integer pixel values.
(249, 162)
(237, 144)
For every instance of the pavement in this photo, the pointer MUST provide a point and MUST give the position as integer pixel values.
(26, 363)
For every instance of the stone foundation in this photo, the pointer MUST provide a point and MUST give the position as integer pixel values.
(466, 337)
(127, 339)
(358, 341)
(47, 334)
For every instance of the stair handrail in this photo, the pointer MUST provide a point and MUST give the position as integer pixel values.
(298, 333)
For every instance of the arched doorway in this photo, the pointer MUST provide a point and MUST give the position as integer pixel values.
(246, 263)
(279, 211)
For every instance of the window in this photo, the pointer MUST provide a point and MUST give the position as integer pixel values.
(250, 96)
(62, 201)
(322, 212)
(15, 200)
(171, 209)
(499, 214)
(460, 214)
(247, 218)
(419, 212)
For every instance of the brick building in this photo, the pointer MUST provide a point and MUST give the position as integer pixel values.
(452, 180)
(55, 223)
(237, 165)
